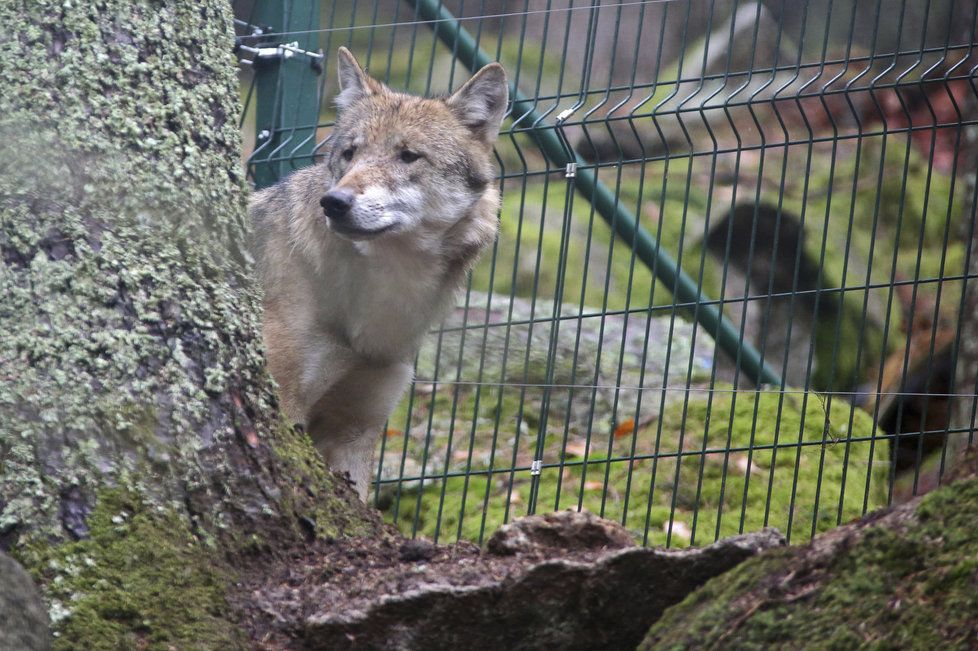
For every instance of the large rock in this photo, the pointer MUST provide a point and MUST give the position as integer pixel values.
(905, 578)
(589, 600)
(494, 338)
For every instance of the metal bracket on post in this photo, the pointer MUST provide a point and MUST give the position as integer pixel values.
(287, 91)
(281, 51)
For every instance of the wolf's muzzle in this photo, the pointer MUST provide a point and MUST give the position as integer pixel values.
(337, 203)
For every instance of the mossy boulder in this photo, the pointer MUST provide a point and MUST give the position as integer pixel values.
(906, 578)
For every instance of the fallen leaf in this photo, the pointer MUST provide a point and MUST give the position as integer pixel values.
(625, 428)
(391, 433)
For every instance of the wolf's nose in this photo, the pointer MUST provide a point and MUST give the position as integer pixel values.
(337, 203)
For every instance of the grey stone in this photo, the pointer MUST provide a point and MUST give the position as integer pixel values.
(604, 603)
(609, 355)
(559, 530)
(24, 624)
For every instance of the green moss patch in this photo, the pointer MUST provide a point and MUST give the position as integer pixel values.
(682, 488)
(141, 580)
(313, 495)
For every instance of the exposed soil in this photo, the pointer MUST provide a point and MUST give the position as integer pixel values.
(566, 580)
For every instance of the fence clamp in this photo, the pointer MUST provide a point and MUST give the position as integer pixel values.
(281, 52)
(536, 466)
(570, 171)
(563, 115)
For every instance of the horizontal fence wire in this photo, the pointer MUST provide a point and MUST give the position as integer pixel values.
(809, 166)
(460, 19)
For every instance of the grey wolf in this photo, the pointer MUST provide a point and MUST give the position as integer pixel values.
(362, 253)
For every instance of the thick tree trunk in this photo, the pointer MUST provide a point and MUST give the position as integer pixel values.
(140, 441)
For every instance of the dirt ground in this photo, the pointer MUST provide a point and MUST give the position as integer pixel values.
(348, 575)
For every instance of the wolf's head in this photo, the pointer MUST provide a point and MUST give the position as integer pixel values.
(404, 164)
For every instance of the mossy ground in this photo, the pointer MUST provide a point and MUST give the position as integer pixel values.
(142, 579)
(707, 493)
(909, 585)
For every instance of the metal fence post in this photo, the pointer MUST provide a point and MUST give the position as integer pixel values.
(287, 102)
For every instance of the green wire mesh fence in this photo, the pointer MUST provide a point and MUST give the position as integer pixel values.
(730, 283)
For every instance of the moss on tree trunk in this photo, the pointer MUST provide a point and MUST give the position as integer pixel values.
(140, 441)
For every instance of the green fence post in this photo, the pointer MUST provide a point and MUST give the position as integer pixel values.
(287, 104)
(646, 247)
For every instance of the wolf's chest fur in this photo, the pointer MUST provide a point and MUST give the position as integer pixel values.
(380, 300)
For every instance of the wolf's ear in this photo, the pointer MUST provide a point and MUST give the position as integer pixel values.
(481, 103)
(354, 82)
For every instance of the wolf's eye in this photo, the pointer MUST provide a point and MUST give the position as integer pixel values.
(408, 156)
(348, 153)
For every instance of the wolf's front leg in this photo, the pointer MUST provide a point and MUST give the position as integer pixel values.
(354, 456)
(348, 420)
